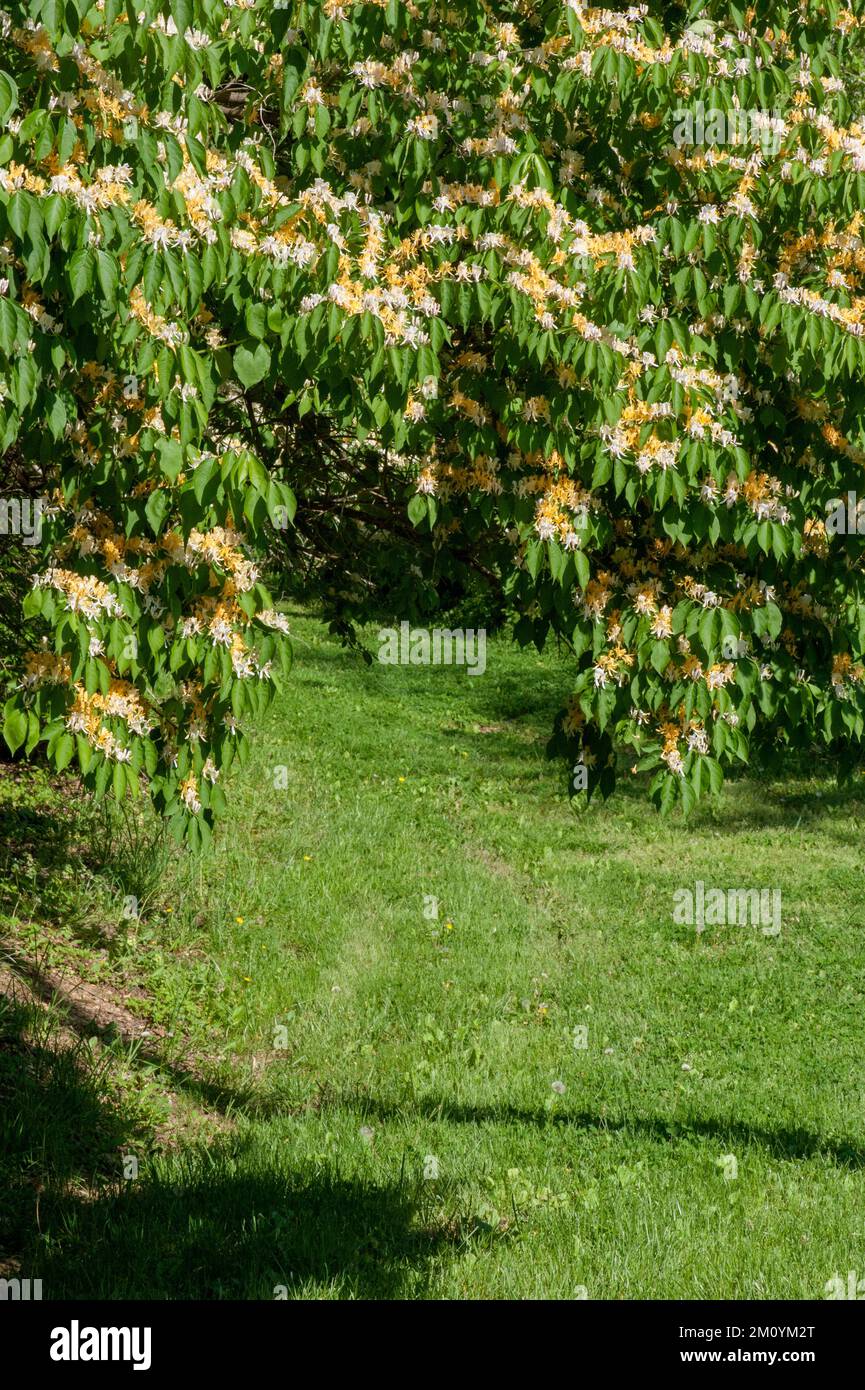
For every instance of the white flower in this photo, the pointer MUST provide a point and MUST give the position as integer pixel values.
(424, 127)
(272, 619)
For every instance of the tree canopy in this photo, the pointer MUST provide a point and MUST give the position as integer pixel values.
(571, 296)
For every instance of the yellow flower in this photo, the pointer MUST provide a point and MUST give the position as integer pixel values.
(239, 921)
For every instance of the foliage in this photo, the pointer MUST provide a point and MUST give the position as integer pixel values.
(621, 371)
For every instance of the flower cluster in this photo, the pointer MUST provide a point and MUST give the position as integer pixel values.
(622, 356)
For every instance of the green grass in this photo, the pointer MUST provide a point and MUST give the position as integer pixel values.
(409, 1038)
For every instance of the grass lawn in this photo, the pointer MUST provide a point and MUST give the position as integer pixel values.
(330, 1090)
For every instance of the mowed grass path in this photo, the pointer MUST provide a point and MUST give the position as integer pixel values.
(402, 1137)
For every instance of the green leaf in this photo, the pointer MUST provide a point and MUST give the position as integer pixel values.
(534, 557)
(202, 476)
(8, 97)
(14, 725)
(709, 626)
(81, 267)
(583, 569)
(63, 750)
(85, 753)
(118, 781)
(417, 509)
(10, 324)
(24, 384)
(170, 457)
(33, 603)
(252, 366)
(156, 509)
(33, 732)
(660, 657)
(106, 269)
(256, 320)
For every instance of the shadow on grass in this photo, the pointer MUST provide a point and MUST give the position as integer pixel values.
(229, 1221)
(59, 1131)
(248, 1101)
(88, 1019)
(33, 844)
(783, 1143)
(236, 1220)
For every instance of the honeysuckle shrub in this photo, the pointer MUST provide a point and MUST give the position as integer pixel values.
(583, 287)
